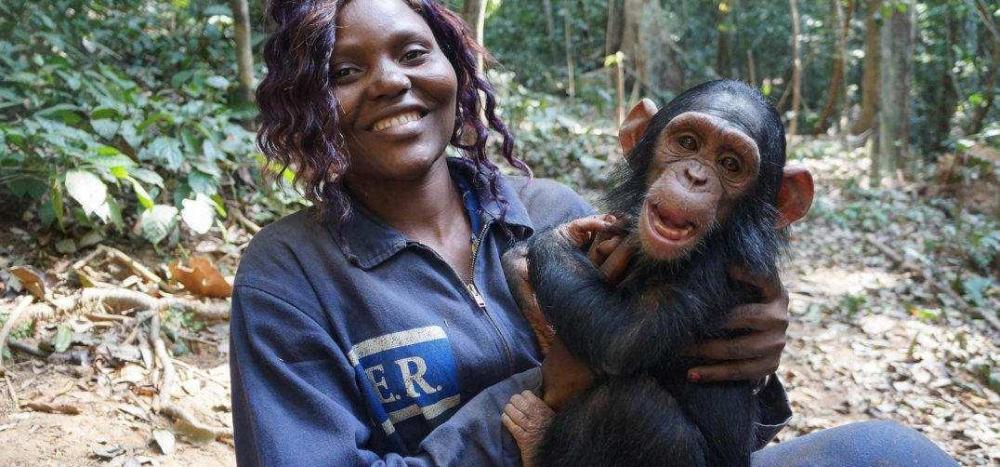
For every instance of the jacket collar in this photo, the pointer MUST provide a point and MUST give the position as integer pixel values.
(367, 241)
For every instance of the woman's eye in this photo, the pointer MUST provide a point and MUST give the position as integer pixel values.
(344, 72)
(730, 163)
(688, 142)
(414, 54)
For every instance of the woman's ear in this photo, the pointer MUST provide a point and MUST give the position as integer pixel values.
(635, 124)
(795, 195)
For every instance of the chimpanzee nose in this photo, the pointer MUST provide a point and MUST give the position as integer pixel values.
(696, 175)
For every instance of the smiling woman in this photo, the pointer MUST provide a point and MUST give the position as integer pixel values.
(377, 327)
(328, 59)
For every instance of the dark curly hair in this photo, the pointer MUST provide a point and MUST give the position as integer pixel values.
(298, 110)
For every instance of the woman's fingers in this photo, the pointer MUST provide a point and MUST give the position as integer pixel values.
(735, 370)
(756, 345)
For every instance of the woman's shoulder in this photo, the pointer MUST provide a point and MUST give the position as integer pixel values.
(549, 203)
(287, 248)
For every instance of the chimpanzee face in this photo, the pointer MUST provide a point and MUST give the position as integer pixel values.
(701, 167)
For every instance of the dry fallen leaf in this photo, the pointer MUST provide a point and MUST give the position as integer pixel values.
(31, 279)
(201, 277)
(165, 440)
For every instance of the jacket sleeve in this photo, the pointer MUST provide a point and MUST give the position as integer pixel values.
(296, 401)
(774, 411)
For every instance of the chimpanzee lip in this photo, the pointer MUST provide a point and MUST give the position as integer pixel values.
(667, 227)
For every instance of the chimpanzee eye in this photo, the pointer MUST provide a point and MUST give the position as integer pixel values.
(730, 163)
(688, 142)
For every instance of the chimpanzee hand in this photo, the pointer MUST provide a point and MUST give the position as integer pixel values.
(752, 356)
(527, 418)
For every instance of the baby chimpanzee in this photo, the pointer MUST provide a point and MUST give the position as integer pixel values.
(704, 193)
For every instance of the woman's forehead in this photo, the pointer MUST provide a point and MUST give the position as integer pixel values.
(361, 21)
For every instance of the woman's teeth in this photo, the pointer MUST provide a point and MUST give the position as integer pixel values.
(400, 119)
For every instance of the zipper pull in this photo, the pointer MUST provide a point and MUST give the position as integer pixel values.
(475, 295)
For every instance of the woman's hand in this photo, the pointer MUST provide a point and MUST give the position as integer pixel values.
(753, 356)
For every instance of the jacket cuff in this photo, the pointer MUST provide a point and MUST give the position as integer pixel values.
(774, 411)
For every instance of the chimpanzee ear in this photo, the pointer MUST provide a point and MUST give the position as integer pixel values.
(635, 124)
(795, 195)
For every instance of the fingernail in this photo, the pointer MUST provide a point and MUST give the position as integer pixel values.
(694, 376)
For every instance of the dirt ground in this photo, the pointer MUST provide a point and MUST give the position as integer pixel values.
(862, 345)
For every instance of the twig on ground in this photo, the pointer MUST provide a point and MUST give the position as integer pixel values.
(928, 276)
(163, 360)
(180, 414)
(243, 219)
(12, 393)
(22, 304)
(53, 408)
(125, 299)
(134, 265)
(32, 350)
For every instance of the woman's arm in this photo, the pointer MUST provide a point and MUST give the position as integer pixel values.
(296, 399)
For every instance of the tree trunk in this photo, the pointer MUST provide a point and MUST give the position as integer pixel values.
(979, 113)
(244, 49)
(793, 125)
(614, 31)
(870, 80)
(942, 90)
(550, 26)
(835, 90)
(570, 65)
(724, 29)
(474, 14)
(894, 114)
(650, 50)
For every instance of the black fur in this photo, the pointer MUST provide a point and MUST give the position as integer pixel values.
(641, 410)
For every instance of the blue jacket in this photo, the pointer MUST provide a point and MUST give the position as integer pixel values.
(368, 349)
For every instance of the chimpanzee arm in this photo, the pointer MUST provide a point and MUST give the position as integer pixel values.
(614, 334)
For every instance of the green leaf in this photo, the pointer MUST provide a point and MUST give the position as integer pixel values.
(211, 152)
(105, 127)
(157, 222)
(144, 199)
(63, 338)
(202, 183)
(217, 82)
(198, 213)
(164, 150)
(87, 189)
(147, 176)
(105, 112)
(55, 195)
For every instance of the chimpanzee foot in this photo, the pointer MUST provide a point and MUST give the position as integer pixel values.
(527, 418)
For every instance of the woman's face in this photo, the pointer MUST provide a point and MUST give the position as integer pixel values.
(396, 89)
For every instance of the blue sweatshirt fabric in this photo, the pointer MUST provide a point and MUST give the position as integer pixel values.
(368, 349)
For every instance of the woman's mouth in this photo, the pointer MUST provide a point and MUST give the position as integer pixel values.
(397, 120)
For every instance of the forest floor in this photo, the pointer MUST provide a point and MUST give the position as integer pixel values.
(870, 338)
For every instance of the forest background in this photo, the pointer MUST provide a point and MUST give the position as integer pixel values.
(130, 183)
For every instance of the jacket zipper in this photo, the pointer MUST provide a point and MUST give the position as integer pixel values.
(480, 301)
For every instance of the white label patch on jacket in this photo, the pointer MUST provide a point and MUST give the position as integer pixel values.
(409, 373)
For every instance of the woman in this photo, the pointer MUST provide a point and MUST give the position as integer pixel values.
(378, 327)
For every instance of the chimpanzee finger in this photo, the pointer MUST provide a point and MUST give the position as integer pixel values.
(581, 231)
(602, 247)
(739, 370)
(616, 266)
(756, 345)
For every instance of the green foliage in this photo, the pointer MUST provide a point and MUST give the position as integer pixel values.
(553, 136)
(113, 109)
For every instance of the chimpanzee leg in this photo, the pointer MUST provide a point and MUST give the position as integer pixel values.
(623, 422)
(725, 414)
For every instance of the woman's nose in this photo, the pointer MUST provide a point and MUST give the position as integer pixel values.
(389, 80)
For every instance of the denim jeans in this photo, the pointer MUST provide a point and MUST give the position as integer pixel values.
(873, 443)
